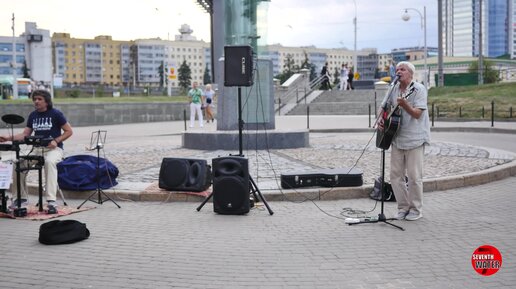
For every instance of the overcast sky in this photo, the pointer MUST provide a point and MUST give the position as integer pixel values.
(323, 23)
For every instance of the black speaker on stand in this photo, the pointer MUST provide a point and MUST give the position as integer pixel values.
(232, 184)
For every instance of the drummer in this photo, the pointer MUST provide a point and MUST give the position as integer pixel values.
(46, 122)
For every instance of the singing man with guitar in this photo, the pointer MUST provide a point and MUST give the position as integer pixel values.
(404, 114)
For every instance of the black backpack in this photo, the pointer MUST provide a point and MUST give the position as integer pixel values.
(62, 232)
(388, 193)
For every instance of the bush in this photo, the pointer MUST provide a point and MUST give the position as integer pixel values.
(73, 93)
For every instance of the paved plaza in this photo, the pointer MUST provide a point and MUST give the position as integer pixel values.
(306, 243)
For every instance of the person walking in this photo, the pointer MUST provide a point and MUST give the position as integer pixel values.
(325, 84)
(209, 97)
(344, 77)
(196, 100)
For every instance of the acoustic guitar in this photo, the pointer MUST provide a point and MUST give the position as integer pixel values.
(391, 122)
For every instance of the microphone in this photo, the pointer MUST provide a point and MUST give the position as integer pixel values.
(396, 79)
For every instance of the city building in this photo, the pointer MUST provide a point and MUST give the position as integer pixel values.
(461, 28)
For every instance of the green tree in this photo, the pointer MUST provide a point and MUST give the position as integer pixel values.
(308, 65)
(289, 68)
(184, 76)
(206, 77)
(490, 75)
(163, 79)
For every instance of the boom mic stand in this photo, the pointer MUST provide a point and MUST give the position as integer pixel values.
(253, 187)
(98, 145)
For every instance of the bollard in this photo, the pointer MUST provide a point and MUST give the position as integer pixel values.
(460, 111)
(308, 117)
(369, 115)
(433, 106)
(279, 106)
(184, 117)
(492, 113)
(375, 109)
(510, 112)
(483, 111)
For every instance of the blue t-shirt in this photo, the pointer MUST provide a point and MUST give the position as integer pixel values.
(47, 124)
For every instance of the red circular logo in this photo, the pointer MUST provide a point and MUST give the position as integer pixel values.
(486, 260)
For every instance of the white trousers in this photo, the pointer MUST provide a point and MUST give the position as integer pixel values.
(195, 108)
(343, 83)
(52, 157)
(409, 196)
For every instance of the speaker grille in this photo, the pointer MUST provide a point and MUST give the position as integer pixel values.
(231, 185)
(184, 175)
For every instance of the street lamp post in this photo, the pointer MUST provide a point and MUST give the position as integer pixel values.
(406, 17)
(355, 67)
(13, 65)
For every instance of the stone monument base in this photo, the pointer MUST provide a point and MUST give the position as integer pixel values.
(251, 140)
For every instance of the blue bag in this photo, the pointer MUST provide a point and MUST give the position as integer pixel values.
(79, 173)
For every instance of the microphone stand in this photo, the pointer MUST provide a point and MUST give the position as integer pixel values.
(381, 215)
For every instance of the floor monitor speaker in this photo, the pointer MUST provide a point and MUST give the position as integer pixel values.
(238, 66)
(231, 191)
(176, 174)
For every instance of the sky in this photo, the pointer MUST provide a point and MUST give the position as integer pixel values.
(322, 23)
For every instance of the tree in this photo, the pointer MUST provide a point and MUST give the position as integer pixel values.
(289, 69)
(490, 75)
(308, 65)
(184, 76)
(206, 77)
(163, 79)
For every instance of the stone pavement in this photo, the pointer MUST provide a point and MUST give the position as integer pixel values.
(337, 142)
(305, 244)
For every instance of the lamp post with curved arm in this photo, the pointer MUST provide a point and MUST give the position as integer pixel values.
(406, 17)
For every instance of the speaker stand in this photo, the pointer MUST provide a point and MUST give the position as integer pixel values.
(257, 195)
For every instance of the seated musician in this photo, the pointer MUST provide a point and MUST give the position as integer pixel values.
(48, 123)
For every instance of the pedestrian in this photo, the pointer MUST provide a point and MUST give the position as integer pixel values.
(325, 84)
(408, 145)
(209, 97)
(50, 125)
(350, 80)
(196, 101)
(344, 77)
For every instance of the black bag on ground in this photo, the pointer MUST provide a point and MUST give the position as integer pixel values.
(62, 232)
(388, 193)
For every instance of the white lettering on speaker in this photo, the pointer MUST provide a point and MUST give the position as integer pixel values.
(243, 65)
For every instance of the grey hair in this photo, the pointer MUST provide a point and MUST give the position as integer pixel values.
(409, 65)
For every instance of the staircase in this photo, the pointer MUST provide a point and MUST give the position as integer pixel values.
(337, 102)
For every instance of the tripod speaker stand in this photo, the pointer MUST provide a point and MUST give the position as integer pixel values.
(257, 195)
(98, 139)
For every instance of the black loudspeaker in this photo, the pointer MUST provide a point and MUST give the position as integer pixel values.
(191, 175)
(231, 185)
(238, 66)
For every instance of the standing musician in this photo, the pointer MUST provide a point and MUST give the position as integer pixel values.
(408, 145)
(46, 122)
